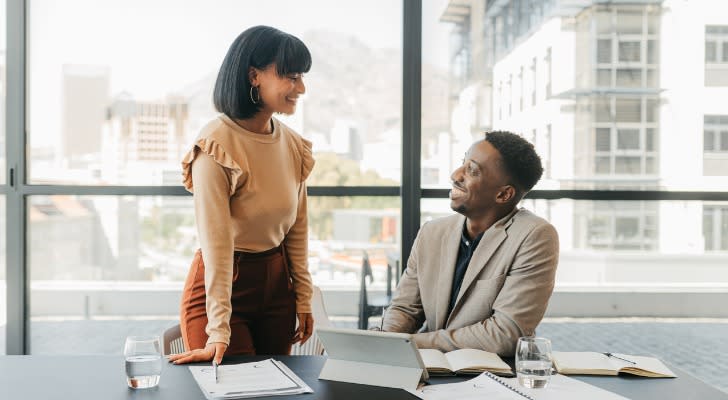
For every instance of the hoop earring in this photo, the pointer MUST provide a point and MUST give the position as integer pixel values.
(254, 98)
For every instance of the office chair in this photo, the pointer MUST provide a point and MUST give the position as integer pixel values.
(370, 307)
(313, 346)
(172, 338)
(173, 343)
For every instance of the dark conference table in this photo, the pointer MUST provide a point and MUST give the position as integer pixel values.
(102, 377)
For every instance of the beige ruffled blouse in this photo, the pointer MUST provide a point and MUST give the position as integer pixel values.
(250, 195)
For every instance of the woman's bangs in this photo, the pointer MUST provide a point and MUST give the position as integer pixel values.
(293, 57)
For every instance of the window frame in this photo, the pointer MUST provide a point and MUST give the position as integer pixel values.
(16, 188)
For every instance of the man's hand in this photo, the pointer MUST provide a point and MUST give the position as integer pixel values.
(305, 328)
(211, 351)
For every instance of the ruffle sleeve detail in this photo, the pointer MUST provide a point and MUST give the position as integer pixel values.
(307, 161)
(217, 152)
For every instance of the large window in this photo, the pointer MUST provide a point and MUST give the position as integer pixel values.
(120, 106)
(617, 98)
(98, 262)
(95, 259)
(595, 103)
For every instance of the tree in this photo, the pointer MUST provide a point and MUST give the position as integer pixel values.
(332, 170)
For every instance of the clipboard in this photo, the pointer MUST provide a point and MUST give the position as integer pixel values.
(371, 358)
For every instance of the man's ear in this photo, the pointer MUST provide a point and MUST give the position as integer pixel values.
(506, 194)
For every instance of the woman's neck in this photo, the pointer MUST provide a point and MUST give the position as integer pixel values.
(260, 123)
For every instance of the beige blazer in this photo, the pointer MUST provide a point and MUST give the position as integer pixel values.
(504, 293)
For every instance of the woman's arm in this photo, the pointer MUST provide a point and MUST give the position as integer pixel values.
(296, 243)
(214, 229)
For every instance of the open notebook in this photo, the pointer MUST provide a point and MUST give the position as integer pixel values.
(463, 361)
(593, 363)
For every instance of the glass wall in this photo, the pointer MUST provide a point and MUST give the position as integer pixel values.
(98, 262)
(120, 106)
(601, 95)
(613, 96)
(616, 244)
(112, 265)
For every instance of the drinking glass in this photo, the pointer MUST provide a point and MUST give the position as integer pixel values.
(143, 358)
(533, 361)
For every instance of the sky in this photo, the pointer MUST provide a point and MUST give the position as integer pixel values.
(159, 46)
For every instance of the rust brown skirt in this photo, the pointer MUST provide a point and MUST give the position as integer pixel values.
(263, 316)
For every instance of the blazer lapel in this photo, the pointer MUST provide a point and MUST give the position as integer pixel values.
(489, 243)
(448, 256)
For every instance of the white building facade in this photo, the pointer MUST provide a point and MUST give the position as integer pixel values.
(627, 95)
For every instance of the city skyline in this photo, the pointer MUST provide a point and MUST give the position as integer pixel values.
(59, 34)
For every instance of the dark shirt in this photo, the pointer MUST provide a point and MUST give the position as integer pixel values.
(465, 253)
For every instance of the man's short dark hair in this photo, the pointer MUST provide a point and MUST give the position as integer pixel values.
(259, 47)
(519, 157)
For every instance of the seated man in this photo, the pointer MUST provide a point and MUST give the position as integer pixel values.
(483, 277)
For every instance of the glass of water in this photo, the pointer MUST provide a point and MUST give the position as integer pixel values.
(533, 361)
(143, 356)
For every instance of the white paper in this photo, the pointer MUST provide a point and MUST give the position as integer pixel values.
(255, 379)
(484, 386)
(561, 387)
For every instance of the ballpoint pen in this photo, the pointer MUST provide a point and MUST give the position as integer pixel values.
(619, 358)
(214, 370)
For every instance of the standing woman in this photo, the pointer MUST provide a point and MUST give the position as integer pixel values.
(249, 281)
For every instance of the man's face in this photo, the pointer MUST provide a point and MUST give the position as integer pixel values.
(476, 184)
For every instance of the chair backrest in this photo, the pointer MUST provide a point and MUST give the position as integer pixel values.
(314, 347)
(366, 272)
(393, 268)
(172, 338)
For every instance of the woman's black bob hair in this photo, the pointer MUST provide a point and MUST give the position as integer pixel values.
(259, 47)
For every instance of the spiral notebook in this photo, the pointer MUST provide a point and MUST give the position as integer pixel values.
(491, 387)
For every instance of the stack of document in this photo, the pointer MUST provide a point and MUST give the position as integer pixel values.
(256, 379)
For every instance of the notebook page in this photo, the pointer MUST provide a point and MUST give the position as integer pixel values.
(562, 387)
(434, 359)
(469, 358)
(650, 364)
(582, 361)
(484, 386)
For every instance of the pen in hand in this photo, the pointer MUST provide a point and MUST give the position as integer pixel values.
(214, 370)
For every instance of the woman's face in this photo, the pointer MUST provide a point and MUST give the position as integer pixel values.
(279, 94)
